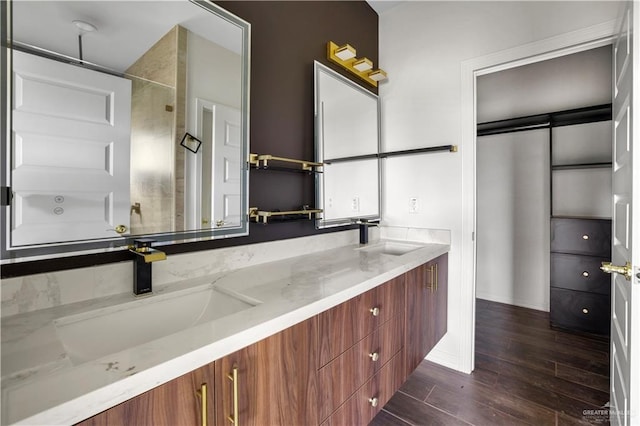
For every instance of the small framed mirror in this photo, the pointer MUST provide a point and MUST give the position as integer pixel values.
(347, 142)
(120, 120)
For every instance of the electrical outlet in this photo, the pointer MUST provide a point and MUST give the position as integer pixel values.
(355, 204)
(413, 205)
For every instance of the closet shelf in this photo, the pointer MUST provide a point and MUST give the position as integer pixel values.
(261, 161)
(282, 216)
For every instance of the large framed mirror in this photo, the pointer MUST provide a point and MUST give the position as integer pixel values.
(122, 119)
(347, 142)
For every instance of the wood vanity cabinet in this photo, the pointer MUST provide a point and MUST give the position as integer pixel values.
(178, 402)
(358, 340)
(426, 310)
(337, 368)
(274, 382)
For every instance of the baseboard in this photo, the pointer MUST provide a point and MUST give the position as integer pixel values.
(511, 301)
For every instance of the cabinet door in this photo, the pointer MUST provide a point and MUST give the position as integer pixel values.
(416, 316)
(426, 310)
(274, 382)
(439, 300)
(178, 402)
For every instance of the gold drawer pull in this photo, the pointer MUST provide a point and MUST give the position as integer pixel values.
(375, 311)
(373, 401)
(585, 237)
(585, 311)
(585, 274)
(374, 356)
(233, 376)
(202, 392)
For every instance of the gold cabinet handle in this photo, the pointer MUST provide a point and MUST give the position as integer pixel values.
(374, 356)
(373, 401)
(233, 376)
(202, 392)
(623, 270)
(220, 223)
(585, 311)
(432, 285)
(375, 311)
(121, 229)
(435, 275)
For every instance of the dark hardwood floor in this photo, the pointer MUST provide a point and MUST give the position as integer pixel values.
(526, 374)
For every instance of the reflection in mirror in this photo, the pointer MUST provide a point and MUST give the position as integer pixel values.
(347, 142)
(104, 94)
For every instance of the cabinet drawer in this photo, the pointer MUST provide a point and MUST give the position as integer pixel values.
(576, 272)
(581, 236)
(339, 379)
(577, 310)
(360, 409)
(344, 325)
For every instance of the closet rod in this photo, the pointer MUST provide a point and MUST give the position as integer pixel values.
(541, 121)
(441, 148)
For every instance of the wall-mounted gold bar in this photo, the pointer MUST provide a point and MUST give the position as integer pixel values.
(263, 216)
(255, 159)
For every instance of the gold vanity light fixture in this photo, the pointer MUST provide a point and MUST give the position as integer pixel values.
(345, 56)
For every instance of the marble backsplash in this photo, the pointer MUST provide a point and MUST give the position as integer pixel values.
(41, 291)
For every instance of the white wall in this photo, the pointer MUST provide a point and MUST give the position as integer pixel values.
(513, 208)
(422, 47)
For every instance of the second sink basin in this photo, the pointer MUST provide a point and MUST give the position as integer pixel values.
(91, 335)
(395, 248)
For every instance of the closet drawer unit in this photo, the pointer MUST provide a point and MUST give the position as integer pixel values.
(581, 311)
(576, 272)
(581, 236)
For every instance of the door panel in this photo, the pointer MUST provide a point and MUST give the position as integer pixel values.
(71, 152)
(625, 294)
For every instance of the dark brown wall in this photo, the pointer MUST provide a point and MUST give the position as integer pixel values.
(286, 37)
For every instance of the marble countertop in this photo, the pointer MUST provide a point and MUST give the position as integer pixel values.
(44, 382)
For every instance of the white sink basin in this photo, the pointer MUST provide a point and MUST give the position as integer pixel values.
(94, 334)
(395, 248)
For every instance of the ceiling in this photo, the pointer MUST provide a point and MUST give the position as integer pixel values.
(126, 28)
(381, 6)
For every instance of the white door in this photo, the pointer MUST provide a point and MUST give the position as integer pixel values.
(625, 292)
(227, 167)
(218, 166)
(70, 145)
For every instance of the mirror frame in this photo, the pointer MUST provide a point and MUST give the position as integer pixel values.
(10, 255)
(319, 187)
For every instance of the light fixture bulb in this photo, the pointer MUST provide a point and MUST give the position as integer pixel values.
(363, 64)
(84, 27)
(345, 52)
(378, 75)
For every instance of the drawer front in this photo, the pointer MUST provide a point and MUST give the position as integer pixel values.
(363, 406)
(581, 236)
(340, 378)
(344, 325)
(576, 272)
(577, 310)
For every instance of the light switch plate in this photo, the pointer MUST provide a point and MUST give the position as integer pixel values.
(414, 205)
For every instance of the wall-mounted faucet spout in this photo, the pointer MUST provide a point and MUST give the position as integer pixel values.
(145, 256)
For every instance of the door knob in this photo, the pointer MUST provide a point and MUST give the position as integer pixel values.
(623, 270)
